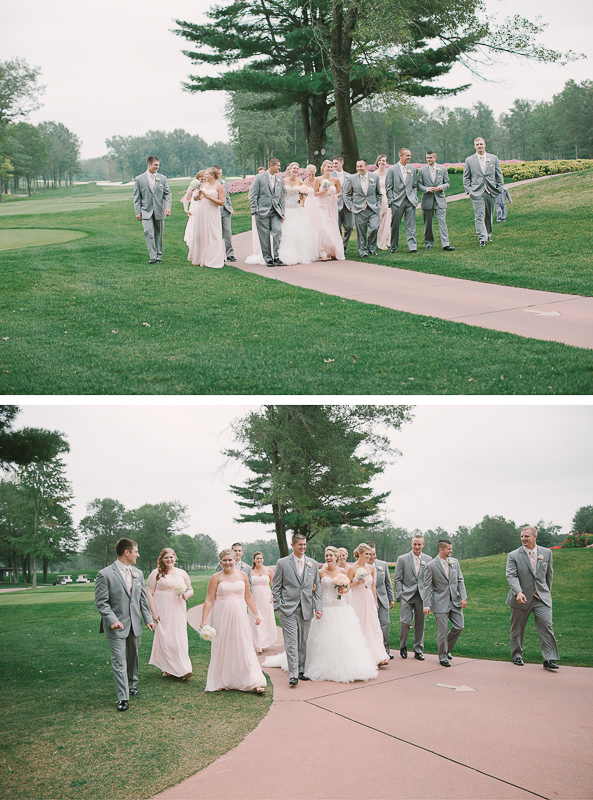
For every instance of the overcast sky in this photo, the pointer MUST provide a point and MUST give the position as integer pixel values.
(115, 68)
(459, 462)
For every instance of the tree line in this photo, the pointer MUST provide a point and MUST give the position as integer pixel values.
(528, 131)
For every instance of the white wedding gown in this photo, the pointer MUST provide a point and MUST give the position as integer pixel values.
(298, 244)
(336, 647)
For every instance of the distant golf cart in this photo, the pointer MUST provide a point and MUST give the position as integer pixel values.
(83, 579)
(61, 580)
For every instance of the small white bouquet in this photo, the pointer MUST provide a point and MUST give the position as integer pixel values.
(180, 588)
(325, 184)
(341, 581)
(207, 633)
(361, 574)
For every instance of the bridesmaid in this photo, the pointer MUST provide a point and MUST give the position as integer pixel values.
(168, 602)
(189, 205)
(264, 634)
(207, 248)
(384, 235)
(343, 566)
(364, 602)
(233, 663)
(327, 191)
(256, 257)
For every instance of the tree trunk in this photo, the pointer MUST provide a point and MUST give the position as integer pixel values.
(45, 568)
(280, 528)
(344, 21)
(315, 125)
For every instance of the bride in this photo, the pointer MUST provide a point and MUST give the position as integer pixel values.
(298, 245)
(336, 647)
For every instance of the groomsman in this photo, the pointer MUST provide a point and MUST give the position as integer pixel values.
(363, 194)
(483, 181)
(345, 220)
(240, 565)
(297, 597)
(529, 574)
(444, 594)
(385, 596)
(409, 586)
(121, 600)
(433, 182)
(402, 195)
(501, 204)
(226, 212)
(267, 205)
(152, 203)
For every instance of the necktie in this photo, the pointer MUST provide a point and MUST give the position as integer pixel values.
(483, 163)
(446, 566)
(417, 562)
(533, 560)
(300, 566)
(433, 174)
(129, 579)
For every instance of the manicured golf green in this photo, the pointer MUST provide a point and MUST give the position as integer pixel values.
(21, 237)
(91, 316)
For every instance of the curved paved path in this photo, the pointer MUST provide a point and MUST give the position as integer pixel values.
(549, 316)
(521, 733)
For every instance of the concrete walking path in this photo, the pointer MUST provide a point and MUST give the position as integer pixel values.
(481, 729)
(549, 316)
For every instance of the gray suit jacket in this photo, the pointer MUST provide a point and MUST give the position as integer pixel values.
(228, 206)
(145, 202)
(290, 591)
(521, 578)
(114, 603)
(440, 592)
(395, 188)
(430, 199)
(383, 583)
(263, 199)
(356, 199)
(407, 583)
(475, 182)
(342, 201)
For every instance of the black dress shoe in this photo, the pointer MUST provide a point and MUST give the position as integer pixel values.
(449, 657)
(364, 255)
(152, 261)
(159, 261)
(293, 681)
(403, 651)
(278, 263)
(482, 244)
(303, 677)
(393, 250)
(123, 705)
(270, 265)
(419, 656)
(413, 251)
(444, 663)
(551, 665)
(390, 656)
(231, 258)
(448, 247)
(133, 692)
(518, 661)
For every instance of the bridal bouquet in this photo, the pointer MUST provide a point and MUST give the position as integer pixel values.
(180, 588)
(361, 574)
(341, 581)
(207, 633)
(325, 184)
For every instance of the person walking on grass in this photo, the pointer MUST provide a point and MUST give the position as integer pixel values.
(152, 204)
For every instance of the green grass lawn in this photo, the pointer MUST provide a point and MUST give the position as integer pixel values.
(91, 317)
(63, 738)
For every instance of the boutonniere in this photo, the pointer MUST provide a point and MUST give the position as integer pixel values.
(487, 160)
(158, 180)
(423, 563)
(308, 565)
(540, 557)
(408, 171)
(380, 569)
(450, 562)
(134, 575)
(438, 172)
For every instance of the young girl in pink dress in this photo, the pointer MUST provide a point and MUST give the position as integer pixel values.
(206, 249)
(233, 663)
(364, 602)
(327, 191)
(264, 634)
(168, 590)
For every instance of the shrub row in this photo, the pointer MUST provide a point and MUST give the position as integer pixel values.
(578, 540)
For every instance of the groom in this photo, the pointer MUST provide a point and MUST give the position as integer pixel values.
(152, 203)
(120, 597)
(267, 205)
(297, 596)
